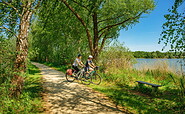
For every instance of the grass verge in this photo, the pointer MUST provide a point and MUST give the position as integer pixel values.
(30, 100)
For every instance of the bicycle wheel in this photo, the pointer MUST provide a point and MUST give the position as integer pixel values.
(85, 79)
(96, 79)
(70, 78)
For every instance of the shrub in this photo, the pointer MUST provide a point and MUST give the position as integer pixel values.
(115, 57)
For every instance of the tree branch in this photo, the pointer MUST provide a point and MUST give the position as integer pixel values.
(37, 6)
(101, 34)
(10, 23)
(102, 43)
(80, 5)
(95, 30)
(9, 31)
(110, 18)
(83, 23)
(26, 7)
(76, 14)
(17, 11)
(110, 26)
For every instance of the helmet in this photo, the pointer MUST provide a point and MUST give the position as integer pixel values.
(90, 56)
(79, 55)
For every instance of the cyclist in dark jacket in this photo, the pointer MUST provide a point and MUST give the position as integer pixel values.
(89, 64)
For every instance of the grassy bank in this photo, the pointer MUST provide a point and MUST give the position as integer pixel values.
(123, 90)
(120, 86)
(30, 101)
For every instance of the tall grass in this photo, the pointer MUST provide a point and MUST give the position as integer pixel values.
(116, 56)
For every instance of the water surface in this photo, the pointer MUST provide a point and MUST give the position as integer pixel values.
(176, 65)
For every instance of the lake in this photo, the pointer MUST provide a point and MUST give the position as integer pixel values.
(172, 64)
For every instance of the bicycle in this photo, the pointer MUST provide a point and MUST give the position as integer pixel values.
(93, 77)
(77, 76)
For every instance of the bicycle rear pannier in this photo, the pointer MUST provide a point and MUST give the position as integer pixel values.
(69, 71)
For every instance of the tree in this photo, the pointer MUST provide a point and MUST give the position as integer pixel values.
(103, 19)
(15, 21)
(173, 29)
(56, 35)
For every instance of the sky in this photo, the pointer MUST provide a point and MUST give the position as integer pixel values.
(145, 35)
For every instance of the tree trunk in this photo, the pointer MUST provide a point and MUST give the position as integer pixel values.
(22, 52)
(96, 38)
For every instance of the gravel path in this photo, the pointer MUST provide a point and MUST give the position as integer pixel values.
(62, 97)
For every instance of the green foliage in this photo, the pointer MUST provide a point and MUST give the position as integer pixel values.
(12, 13)
(173, 29)
(30, 99)
(108, 17)
(157, 54)
(7, 56)
(180, 82)
(62, 68)
(55, 37)
(9, 17)
(173, 34)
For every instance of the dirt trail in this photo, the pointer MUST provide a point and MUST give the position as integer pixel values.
(63, 97)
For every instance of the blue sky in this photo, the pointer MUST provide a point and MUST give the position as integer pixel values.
(144, 36)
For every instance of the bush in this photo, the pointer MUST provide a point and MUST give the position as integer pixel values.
(7, 57)
(116, 57)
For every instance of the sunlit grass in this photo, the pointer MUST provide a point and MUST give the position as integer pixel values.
(123, 90)
(30, 100)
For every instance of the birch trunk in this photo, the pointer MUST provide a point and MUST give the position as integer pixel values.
(22, 52)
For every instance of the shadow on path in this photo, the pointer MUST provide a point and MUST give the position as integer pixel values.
(70, 98)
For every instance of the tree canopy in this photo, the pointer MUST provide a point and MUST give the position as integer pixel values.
(82, 26)
(103, 19)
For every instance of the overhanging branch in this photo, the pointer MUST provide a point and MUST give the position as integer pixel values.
(110, 26)
(76, 14)
(9, 31)
(80, 5)
(17, 11)
(110, 18)
(101, 34)
(82, 22)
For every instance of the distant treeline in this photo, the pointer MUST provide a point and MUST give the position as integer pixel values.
(158, 54)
